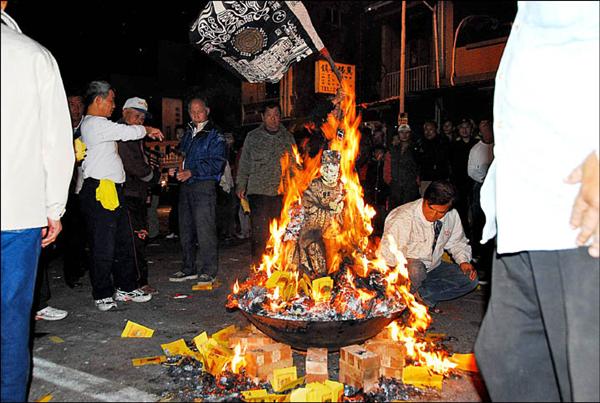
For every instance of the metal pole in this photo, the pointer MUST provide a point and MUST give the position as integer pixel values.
(402, 58)
(435, 40)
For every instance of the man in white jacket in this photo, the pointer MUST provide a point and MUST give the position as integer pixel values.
(422, 230)
(37, 163)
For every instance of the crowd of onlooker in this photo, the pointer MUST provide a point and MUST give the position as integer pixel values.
(396, 165)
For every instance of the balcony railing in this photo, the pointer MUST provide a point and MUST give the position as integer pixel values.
(416, 79)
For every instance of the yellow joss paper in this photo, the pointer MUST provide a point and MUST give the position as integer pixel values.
(288, 291)
(466, 362)
(45, 398)
(298, 395)
(133, 329)
(318, 392)
(274, 398)
(302, 285)
(321, 288)
(56, 339)
(254, 394)
(177, 347)
(222, 336)
(80, 149)
(216, 356)
(200, 340)
(282, 377)
(106, 194)
(138, 362)
(278, 278)
(421, 377)
(293, 384)
(337, 390)
(202, 287)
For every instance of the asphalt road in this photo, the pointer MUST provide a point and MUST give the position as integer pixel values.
(83, 357)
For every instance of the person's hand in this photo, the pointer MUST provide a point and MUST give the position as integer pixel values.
(172, 171)
(184, 175)
(154, 133)
(241, 194)
(469, 270)
(50, 232)
(142, 234)
(584, 215)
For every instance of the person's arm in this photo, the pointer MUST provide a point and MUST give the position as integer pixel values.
(106, 130)
(56, 133)
(243, 169)
(396, 237)
(584, 215)
(458, 244)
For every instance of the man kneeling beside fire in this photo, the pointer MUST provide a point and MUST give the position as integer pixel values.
(422, 230)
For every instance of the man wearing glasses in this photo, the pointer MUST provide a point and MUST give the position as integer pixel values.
(422, 230)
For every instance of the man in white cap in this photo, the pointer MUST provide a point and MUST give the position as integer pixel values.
(138, 174)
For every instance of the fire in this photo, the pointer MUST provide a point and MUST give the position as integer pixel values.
(367, 287)
(238, 361)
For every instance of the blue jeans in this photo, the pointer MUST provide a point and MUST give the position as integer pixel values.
(539, 337)
(20, 253)
(198, 226)
(446, 281)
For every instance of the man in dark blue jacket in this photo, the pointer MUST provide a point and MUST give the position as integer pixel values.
(204, 151)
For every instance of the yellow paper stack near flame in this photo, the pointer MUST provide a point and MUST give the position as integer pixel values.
(321, 289)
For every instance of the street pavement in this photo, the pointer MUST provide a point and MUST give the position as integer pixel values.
(83, 357)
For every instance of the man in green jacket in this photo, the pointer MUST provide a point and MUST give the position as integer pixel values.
(259, 175)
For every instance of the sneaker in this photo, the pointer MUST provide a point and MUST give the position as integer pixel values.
(148, 289)
(136, 295)
(50, 313)
(172, 235)
(181, 276)
(205, 279)
(105, 304)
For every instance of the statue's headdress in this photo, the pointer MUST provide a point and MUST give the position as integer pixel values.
(330, 157)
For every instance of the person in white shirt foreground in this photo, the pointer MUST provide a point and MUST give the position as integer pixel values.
(37, 163)
(108, 227)
(422, 230)
(539, 337)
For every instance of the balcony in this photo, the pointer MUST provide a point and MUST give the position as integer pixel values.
(416, 79)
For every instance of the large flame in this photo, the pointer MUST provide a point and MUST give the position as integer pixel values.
(351, 239)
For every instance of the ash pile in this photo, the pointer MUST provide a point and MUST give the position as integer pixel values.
(340, 297)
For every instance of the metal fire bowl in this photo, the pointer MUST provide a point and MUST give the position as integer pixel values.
(331, 335)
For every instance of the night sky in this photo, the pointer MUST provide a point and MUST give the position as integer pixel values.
(91, 39)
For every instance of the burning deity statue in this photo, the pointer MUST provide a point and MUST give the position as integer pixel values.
(316, 219)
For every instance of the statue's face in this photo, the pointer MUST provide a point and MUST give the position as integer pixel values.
(330, 173)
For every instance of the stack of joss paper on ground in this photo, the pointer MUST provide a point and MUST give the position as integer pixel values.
(245, 364)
